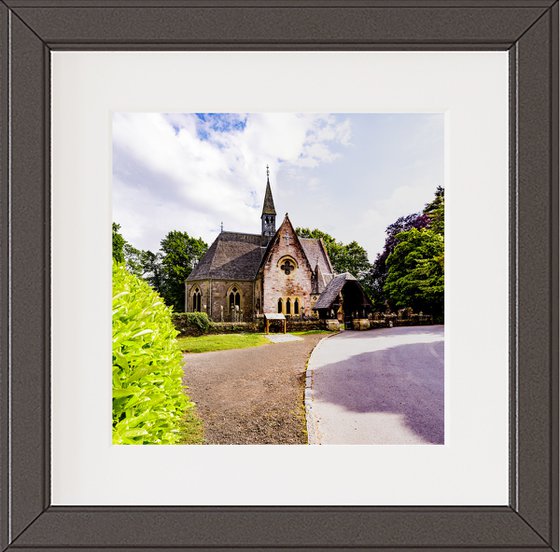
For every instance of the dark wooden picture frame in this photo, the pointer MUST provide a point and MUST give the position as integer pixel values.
(31, 29)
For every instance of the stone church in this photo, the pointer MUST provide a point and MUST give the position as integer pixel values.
(242, 276)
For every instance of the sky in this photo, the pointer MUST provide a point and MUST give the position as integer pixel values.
(348, 174)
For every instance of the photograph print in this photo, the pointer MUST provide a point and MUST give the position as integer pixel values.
(278, 278)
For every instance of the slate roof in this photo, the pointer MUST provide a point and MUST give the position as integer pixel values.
(238, 256)
(327, 298)
(232, 256)
(268, 205)
(316, 254)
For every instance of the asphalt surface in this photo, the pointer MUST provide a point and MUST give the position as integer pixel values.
(381, 386)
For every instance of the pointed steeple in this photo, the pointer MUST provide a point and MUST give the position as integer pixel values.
(268, 205)
(268, 216)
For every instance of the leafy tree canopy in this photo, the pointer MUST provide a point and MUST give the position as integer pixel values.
(180, 254)
(167, 269)
(415, 275)
(152, 269)
(435, 211)
(118, 244)
(432, 216)
(378, 274)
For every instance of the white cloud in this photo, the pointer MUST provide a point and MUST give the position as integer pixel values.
(173, 171)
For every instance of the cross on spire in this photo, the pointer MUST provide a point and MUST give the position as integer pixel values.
(267, 173)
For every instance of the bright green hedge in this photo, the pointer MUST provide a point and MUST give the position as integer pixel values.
(149, 402)
(191, 323)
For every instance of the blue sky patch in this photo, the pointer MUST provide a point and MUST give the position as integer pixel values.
(219, 122)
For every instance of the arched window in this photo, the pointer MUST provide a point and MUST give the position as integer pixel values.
(197, 300)
(288, 306)
(287, 265)
(234, 299)
(280, 304)
(296, 306)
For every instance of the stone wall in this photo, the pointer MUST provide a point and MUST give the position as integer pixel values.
(233, 327)
(294, 285)
(215, 300)
(305, 325)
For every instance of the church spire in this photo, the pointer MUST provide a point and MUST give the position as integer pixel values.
(268, 216)
(268, 205)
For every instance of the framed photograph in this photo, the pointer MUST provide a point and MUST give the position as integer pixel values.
(255, 277)
(319, 243)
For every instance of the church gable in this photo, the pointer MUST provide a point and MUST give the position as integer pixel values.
(286, 274)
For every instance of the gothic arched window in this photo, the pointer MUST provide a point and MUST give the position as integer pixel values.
(288, 306)
(197, 300)
(280, 304)
(287, 265)
(234, 299)
(296, 306)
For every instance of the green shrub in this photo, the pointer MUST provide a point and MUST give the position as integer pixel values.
(149, 403)
(192, 323)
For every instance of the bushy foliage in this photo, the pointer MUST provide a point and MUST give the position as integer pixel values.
(378, 273)
(415, 275)
(191, 323)
(431, 218)
(118, 244)
(149, 403)
(180, 254)
(167, 269)
(435, 211)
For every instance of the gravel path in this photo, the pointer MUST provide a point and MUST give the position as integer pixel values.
(378, 387)
(251, 396)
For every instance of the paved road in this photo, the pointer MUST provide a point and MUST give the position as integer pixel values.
(377, 387)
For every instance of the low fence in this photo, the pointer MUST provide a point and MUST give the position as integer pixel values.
(401, 318)
(193, 324)
(293, 324)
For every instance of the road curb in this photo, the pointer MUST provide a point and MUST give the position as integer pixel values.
(313, 437)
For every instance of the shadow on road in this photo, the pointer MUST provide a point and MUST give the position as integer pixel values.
(396, 380)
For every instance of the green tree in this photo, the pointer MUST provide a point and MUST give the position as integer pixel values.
(134, 260)
(118, 244)
(153, 270)
(435, 210)
(180, 254)
(415, 271)
(432, 216)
